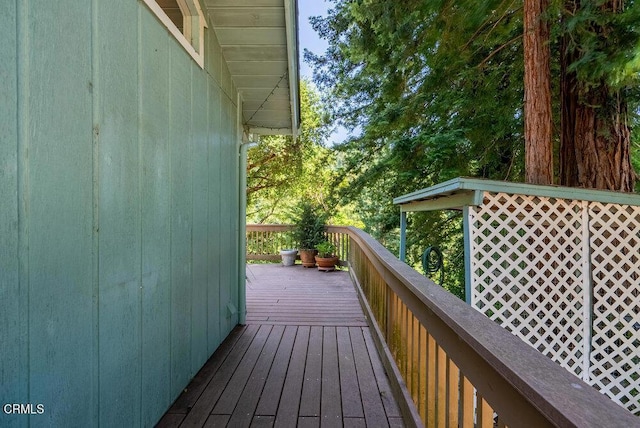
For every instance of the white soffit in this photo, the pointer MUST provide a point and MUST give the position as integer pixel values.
(259, 41)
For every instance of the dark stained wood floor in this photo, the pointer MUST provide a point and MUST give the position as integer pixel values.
(305, 358)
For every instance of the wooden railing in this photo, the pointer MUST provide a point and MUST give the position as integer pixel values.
(461, 369)
(264, 241)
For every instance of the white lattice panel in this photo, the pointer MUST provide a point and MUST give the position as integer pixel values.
(615, 258)
(526, 272)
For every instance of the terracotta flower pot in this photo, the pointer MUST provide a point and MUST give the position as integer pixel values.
(307, 258)
(326, 264)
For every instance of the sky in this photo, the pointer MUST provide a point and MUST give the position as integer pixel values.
(308, 39)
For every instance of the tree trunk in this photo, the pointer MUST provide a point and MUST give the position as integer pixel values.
(595, 140)
(537, 95)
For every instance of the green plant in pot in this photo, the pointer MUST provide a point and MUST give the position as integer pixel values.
(309, 231)
(326, 258)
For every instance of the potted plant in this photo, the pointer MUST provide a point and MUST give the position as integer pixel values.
(288, 257)
(309, 231)
(326, 258)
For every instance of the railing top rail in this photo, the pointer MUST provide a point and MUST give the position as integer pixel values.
(285, 227)
(480, 346)
(269, 227)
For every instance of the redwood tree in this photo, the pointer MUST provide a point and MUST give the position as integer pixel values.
(537, 94)
(595, 136)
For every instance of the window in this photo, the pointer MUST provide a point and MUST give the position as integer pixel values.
(183, 19)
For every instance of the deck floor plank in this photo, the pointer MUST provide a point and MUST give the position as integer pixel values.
(331, 400)
(270, 397)
(312, 384)
(386, 393)
(248, 401)
(351, 401)
(304, 358)
(308, 422)
(288, 410)
(229, 399)
(217, 421)
(187, 399)
(374, 412)
(261, 421)
(207, 400)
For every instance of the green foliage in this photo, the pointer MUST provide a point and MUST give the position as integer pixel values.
(608, 40)
(434, 90)
(281, 170)
(326, 249)
(309, 226)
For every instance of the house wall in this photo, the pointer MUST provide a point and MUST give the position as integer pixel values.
(119, 210)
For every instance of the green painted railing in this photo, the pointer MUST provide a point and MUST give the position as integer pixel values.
(454, 366)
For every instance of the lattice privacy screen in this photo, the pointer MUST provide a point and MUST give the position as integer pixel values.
(564, 276)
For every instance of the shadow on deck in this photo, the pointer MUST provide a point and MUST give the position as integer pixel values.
(305, 357)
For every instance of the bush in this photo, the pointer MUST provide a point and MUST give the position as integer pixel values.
(309, 226)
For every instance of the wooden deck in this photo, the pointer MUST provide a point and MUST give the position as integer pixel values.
(305, 358)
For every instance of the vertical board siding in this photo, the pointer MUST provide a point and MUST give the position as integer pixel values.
(116, 155)
(60, 208)
(155, 196)
(119, 239)
(13, 379)
(214, 206)
(201, 191)
(225, 217)
(229, 218)
(181, 220)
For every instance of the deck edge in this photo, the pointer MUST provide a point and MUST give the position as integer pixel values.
(408, 408)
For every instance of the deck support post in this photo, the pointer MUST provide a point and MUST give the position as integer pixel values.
(403, 236)
(469, 249)
(245, 144)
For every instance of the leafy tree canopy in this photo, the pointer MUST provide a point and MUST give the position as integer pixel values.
(282, 170)
(285, 173)
(434, 90)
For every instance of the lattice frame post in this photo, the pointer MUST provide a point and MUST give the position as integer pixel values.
(587, 281)
(467, 229)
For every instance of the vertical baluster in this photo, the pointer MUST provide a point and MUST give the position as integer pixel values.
(409, 347)
(485, 413)
(391, 314)
(381, 286)
(405, 339)
(415, 372)
(431, 380)
(441, 395)
(453, 393)
(422, 406)
(467, 405)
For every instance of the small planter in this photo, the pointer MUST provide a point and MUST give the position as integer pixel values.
(326, 264)
(288, 257)
(307, 257)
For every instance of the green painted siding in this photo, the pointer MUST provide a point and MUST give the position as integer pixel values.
(119, 185)
(13, 294)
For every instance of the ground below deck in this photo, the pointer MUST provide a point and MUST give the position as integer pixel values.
(305, 358)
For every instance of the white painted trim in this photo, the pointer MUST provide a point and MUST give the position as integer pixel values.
(587, 286)
(291, 29)
(270, 131)
(468, 218)
(192, 6)
(478, 184)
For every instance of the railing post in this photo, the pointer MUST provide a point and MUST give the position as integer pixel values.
(403, 236)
